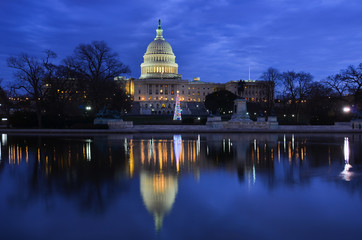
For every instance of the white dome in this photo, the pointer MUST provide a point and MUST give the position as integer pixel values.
(159, 60)
(159, 46)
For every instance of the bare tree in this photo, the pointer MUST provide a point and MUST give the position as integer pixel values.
(4, 100)
(289, 80)
(97, 66)
(270, 78)
(31, 74)
(296, 87)
(348, 80)
(337, 83)
(353, 76)
(303, 84)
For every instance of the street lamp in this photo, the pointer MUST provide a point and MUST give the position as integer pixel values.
(346, 109)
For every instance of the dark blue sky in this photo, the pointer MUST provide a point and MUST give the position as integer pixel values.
(216, 40)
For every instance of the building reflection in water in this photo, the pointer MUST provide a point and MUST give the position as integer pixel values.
(346, 174)
(77, 163)
(158, 175)
(158, 192)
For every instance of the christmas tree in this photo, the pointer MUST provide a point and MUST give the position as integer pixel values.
(177, 112)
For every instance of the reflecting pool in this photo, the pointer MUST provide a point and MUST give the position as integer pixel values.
(207, 186)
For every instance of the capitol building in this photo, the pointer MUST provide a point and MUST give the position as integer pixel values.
(156, 89)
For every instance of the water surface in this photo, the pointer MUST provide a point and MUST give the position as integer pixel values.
(207, 186)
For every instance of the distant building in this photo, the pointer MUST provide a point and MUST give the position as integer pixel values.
(155, 90)
(253, 91)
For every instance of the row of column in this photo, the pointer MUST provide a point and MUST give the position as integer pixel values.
(159, 69)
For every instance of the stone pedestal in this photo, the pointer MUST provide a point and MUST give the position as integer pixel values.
(260, 119)
(119, 123)
(215, 122)
(273, 122)
(113, 123)
(356, 124)
(240, 112)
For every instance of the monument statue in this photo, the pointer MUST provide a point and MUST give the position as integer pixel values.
(241, 87)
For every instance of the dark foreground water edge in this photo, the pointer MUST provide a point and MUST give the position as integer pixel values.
(189, 186)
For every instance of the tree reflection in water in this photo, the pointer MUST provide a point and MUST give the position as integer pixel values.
(94, 172)
(88, 172)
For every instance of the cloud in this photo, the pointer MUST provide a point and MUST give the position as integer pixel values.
(216, 40)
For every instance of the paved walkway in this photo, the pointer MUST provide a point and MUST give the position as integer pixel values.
(189, 129)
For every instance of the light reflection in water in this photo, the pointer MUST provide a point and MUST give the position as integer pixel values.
(161, 162)
(285, 143)
(88, 150)
(177, 142)
(198, 146)
(4, 139)
(131, 158)
(346, 174)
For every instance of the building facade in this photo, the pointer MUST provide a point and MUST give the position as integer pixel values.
(156, 89)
